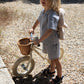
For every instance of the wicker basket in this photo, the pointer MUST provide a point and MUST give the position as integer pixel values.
(24, 46)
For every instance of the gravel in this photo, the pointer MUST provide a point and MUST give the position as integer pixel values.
(21, 18)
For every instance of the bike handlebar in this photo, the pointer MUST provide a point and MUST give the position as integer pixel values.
(34, 39)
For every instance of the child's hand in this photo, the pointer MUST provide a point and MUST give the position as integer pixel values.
(36, 42)
(31, 31)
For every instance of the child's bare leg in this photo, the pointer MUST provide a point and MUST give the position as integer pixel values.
(52, 66)
(56, 63)
(59, 68)
(59, 77)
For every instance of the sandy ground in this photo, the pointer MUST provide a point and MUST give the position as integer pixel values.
(19, 18)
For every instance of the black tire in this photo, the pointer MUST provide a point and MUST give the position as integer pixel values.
(18, 62)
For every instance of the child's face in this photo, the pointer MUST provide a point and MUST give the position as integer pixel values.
(44, 3)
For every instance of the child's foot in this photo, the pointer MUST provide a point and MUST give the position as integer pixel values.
(57, 80)
(47, 72)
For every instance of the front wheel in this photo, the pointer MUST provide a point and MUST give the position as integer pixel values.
(20, 69)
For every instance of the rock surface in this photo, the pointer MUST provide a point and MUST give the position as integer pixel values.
(5, 77)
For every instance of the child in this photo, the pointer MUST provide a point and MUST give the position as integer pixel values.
(48, 20)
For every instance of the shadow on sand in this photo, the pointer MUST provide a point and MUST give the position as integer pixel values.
(37, 79)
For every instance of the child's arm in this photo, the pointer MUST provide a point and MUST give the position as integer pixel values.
(34, 26)
(46, 34)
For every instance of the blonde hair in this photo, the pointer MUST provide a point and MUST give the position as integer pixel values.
(54, 5)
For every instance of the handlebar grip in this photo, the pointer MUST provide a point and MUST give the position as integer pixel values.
(34, 39)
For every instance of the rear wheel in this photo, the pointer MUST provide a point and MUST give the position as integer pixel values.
(61, 53)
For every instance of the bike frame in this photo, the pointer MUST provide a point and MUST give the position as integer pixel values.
(33, 48)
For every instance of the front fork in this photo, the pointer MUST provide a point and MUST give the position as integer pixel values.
(23, 65)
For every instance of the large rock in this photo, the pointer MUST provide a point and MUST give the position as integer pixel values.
(5, 77)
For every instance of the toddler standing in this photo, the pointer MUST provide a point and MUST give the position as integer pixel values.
(48, 20)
